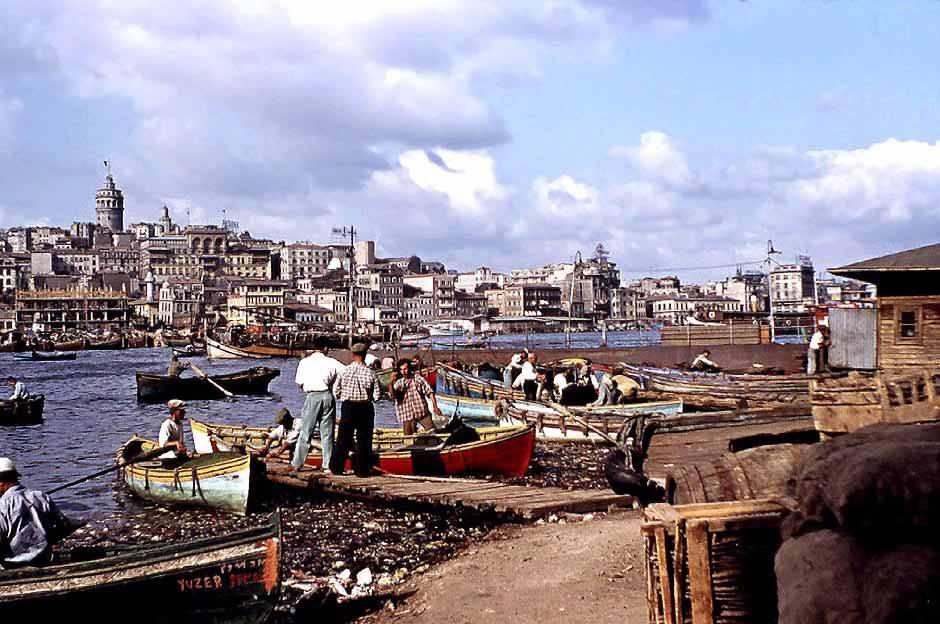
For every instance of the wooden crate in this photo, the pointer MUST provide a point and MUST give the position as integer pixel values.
(712, 563)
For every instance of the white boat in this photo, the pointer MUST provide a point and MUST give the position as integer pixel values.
(449, 328)
(216, 350)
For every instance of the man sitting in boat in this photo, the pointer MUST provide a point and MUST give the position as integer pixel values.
(703, 363)
(19, 389)
(171, 435)
(528, 378)
(29, 521)
(176, 368)
(411, 394)
(286, 433)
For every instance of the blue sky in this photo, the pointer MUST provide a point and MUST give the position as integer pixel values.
(678, 133)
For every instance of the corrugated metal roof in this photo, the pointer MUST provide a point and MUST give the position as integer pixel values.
(921, 259)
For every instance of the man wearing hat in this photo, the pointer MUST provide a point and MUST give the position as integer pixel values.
(316, 375)
(286, 432)
(358, 388)
(171, 434)
(29, 521)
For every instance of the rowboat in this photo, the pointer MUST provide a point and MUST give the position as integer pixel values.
(483, 410)
(154, 388)
(22, 411)
(500, 450)
(69, 345)
(105, 345)
(722, 389)
(216, 480)
(230, 578)
(219, 350)
(189, 351)
(455, 382)
(45, 356)
(554, 426)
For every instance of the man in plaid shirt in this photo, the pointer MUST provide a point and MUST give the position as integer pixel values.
(357, 387)
(411, 393)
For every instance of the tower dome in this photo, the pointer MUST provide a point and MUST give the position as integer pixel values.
(109, 206)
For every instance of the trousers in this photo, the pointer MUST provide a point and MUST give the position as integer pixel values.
(356, 417)
(319, 409)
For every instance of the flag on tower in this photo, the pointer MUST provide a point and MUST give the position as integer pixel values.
(106, 163)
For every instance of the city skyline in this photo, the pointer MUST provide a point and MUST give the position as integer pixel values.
(679, 134)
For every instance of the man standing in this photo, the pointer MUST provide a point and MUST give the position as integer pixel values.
(316, 375)
(171, 434)
(19, 389)
(29, 521)
(528, 378)
(817, 358)
(357, 387)
(411, 393)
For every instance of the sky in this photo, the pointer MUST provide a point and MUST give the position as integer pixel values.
(681, 134)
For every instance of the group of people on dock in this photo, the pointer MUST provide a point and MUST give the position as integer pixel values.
(567, 385)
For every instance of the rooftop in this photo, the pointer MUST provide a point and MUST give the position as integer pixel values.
(920, 259)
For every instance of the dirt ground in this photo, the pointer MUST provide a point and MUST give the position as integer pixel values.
(580, 571)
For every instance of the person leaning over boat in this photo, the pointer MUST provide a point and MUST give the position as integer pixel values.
(316, 375)
(19, 389)
(513, 369)
(357, 387)
(411, 393)
(29, 521)
(528, 378)
(607, 393)
(171, 435)
(176, 368)
(702, 362)
(286, 433)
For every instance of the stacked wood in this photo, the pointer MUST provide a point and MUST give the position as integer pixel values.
(710, 335)
(845, 403)
(762, 472)
(712, 563)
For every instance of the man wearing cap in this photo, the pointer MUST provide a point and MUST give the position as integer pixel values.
(171, 433)
(316, 375)
(286, 432)
(357, 387)
(29, 521)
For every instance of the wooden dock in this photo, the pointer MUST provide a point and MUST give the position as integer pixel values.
(518, 501)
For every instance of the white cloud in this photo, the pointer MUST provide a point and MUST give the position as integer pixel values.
(657, 157)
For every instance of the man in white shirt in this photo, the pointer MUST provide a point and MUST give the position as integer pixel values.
(818, 344)
(513, 369)
(316, 375)
(703, 363)
(19, 389)
(171, 433)
(527, 379)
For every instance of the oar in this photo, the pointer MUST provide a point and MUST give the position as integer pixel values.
(203, 375)
(561, 409)
(142, 457)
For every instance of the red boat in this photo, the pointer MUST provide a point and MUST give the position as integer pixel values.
(500, 450)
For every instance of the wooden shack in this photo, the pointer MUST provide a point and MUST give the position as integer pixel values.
(904, 386)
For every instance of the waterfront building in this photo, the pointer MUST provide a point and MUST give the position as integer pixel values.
(257, 302)
(532, 300)
(309, 314)
(495, 301)
(252, 262)
(748, 287)
(109, 206)
(180, 302)
(304, 259)
(378, 314)
(441, 288)
(469, 304)
(625, 304)
(20, 239)
(792, 286)
(417, 306)
(64, 309)
(676, 309)
(469, 282)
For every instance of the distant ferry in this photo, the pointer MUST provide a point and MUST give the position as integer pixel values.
(448, 328)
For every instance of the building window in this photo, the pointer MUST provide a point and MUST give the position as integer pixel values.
(909, 324)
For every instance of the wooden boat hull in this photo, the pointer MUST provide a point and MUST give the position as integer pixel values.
(22, 412)
(455, 382)
(233, 578)
(41, 356)
(710, 389)
(219, 481)
(68, 345)
(553, 426)
(183, 352)
(106, 345)
(220, 351)
(154, 388)
(482, 410)
(501, 450)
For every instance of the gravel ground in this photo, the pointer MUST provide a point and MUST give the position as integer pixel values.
(567, 466)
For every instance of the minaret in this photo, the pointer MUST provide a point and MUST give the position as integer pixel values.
(109, 205)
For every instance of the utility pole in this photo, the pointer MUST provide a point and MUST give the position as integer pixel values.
(770, 287)
(350, 231)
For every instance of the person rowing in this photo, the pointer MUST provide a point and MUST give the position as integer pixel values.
(176, 368)
(19, 389)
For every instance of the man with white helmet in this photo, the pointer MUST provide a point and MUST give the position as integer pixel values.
(29, 521)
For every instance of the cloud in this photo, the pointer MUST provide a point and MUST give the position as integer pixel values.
(10, 109)
(656, 157)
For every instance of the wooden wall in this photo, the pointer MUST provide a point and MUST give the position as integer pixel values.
(708, 335)
(900, 354)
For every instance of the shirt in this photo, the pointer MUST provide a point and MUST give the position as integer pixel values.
(289, 436)
(515, 362)
(170, 432)
(317, 372)
(414, 393)
(528, 373)
(176, 368)
(370, 360)
(701, 359)
(357, 383)
(29, 523)
(19, 391)
(816, 341)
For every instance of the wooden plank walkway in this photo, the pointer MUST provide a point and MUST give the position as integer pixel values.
(527, 503)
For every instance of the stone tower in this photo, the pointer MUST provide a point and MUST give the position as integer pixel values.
(165, 221)
(109, 206)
